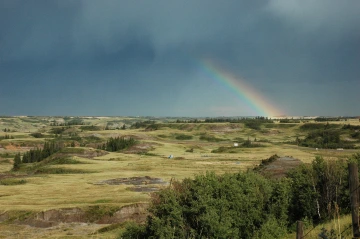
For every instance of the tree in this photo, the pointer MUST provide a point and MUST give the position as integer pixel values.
(17, 161)
(210, 206)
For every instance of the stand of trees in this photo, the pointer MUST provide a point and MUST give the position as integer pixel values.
(6, 136)
(246, 204)
(117, 143)
(228, 120)
(68, 123)
(327, 139)
(37, 155)
(143, 124)
(324, 119)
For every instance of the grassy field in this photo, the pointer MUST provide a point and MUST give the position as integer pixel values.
(78, 185)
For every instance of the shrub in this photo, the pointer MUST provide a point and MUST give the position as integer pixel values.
(37, 135)
(183, 137)
(210, 206)
(12, 181)
(210, 138)
(118, 143)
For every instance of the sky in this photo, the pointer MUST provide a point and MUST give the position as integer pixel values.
(180, 58)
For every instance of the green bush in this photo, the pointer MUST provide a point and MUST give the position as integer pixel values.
(12, 181)
(211, 206)
(252, 124)
(183, 137)
(118, 143)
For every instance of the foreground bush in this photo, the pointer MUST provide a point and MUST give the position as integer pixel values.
(240, 205)
(248, 205)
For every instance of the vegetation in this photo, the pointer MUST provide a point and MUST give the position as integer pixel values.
(118, 143)
(37, 135)
(7, 136)
(210, 138)
(325, 119)
(68, 122)
(247, 205)
(12, 181)
(318, 126)
(183, 137)
(37, 155)
(52, 170)
(265, 162)
(326, 138)
(289, 121)
(316, 192)
(90, 128)
(143, 124)
(227, 120)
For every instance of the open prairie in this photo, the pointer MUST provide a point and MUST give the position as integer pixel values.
(84, 191)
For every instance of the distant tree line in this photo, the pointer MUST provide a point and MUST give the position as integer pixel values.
(6, 130)
(68, 123)
(324, 119)
(296, 121)
(227, 120)
(117, 143)
(142, 124)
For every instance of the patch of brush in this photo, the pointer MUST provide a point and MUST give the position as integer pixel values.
(63, 160)
(53, 170)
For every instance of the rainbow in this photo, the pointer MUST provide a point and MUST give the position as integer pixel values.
(243, 91)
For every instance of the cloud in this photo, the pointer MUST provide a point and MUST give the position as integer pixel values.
(336, 17)
(150, 48)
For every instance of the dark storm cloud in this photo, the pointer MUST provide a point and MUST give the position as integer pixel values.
(151, 49)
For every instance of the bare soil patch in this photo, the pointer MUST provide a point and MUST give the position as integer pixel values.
(133, 181)
(280, 167)
(140, 148)
(140, 184)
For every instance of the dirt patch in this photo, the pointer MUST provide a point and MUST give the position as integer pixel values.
(146, 180)
(141, 184)
(12, 147)
(280, 167)
(140, 148)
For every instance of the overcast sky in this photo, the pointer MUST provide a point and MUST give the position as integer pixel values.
(117, 57)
